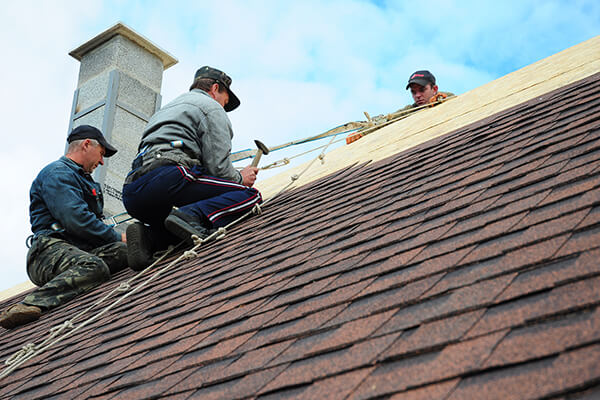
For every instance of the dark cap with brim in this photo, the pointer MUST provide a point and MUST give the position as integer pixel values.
(421, 78)
(223, 79)
(90, 132)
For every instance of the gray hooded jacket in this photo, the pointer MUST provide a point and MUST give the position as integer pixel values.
(197, 123)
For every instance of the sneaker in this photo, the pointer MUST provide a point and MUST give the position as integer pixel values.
(185, 225)
(139, 247)
(19, 314)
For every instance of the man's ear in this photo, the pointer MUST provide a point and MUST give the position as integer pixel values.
(214, 89)
(435, 88)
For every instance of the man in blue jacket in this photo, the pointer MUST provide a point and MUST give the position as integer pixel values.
(182, 182)
(72, 250)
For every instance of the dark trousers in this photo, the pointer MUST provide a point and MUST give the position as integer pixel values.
(64, 271)
(214, 201)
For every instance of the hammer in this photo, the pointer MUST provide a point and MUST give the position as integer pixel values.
(262, 149)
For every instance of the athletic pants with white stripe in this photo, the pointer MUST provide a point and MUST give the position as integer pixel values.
(215, 201)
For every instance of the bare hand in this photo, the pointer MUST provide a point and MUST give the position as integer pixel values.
(249, 175)
(123, 237)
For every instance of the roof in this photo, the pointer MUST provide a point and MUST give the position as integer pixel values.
(463, 267)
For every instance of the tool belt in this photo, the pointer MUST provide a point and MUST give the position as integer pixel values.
(157, 156)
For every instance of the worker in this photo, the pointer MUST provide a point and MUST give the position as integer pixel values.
(423, 90)
(182, 182)
(72, 250)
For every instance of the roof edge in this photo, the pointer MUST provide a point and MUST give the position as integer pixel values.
(16, 290)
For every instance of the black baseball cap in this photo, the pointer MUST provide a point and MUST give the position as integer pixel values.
(90, 132)
(421, 78)
(223, 79)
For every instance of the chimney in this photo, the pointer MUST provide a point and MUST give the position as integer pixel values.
(118, 90)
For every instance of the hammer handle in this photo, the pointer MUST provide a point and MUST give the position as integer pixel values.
(256, 159)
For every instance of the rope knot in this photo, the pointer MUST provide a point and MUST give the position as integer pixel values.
(197, 241)
(221, 232)
(189, 254)
(256, 210)
(124, 287)
(322, 158)
(56, 330)
(25, 350)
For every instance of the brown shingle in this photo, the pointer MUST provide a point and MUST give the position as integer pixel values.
(436, 391)
(327, 364)
(516, 312)
(450, 362)
(534, 380)
(547, 338)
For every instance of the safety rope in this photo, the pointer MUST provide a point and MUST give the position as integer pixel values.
(366, 128)
(287, 160)
(67, 328)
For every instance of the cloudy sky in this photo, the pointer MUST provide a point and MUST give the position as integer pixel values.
(299, 67)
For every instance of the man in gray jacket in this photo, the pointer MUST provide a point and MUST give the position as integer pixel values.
(182, 181)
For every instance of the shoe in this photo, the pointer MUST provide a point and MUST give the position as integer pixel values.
(19, 314)
(139, 247)
(185, 225)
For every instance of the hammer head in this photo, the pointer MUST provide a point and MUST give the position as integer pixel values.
(260, 145)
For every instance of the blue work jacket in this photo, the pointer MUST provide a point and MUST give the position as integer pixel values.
(64, 193)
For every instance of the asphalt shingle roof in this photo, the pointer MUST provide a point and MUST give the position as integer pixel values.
(465, 267)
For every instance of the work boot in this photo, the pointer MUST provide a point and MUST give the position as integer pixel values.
(185, 225)
(139, 247)
(19, 314)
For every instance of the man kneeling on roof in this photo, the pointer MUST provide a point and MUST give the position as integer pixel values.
(182, 181)
(72, 250)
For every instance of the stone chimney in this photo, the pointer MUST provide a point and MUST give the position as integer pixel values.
(118, 90)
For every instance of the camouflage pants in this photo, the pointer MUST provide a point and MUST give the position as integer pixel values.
(64, 271)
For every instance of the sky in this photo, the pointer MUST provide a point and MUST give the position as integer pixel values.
(298, 67)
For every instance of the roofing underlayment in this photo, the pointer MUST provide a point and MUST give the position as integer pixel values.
(465, 266)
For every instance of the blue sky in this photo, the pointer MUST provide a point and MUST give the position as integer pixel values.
(299, 67)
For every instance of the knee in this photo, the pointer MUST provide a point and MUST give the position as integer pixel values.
(93, 268)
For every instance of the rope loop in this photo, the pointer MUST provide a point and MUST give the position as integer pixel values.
(25, 350)
(278, 163)
(124, 287)
(256, 210)
(189, 254)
